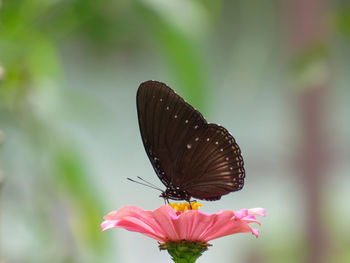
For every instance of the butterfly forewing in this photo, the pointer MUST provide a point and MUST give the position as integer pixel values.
(186, 152)
(165, 120)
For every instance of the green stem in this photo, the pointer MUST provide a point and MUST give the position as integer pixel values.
(185, 251)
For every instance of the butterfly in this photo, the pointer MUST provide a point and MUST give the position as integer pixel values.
(191, 157)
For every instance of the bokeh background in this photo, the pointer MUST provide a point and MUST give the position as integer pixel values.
(274, 73)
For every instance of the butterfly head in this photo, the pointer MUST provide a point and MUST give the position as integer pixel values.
(175, 193)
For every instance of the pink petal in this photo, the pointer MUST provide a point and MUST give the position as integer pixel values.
(108, 224)
(164, 217)
(138, 228)
(257, 211)
(226, 226)
(255, 232)
(241, 213)
(191, 224)
(217, 221)
(134, 219)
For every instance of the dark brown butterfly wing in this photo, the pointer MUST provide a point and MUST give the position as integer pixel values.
(185, 151)
(166, 122)
(213, 164)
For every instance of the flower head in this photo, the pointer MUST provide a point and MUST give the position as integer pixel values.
(182, 207)
(167, 224)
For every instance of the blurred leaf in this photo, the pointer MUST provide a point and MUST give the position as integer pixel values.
(86, 208)
(43, 61)
(342, 20)
(311, 67)
(26, 54)
(1, 173)
(213, 7)
(183, 55)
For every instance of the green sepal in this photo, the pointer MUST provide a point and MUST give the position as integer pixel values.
(185, 251)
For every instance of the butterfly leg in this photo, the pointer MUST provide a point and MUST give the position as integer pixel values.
(193, 201)
(189, 201)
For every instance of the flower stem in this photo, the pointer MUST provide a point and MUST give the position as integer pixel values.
(184, 251)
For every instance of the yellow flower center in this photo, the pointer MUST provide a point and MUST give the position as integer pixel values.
(181, 207)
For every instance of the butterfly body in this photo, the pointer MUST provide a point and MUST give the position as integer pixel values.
(191, 157)
(175, 193)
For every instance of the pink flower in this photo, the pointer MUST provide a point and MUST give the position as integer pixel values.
(165, 224)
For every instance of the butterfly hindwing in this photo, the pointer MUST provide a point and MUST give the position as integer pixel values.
(216, 164)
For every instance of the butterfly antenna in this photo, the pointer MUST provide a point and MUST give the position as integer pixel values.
(148, 185)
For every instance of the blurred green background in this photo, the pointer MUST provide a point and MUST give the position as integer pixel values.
(274, 73)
